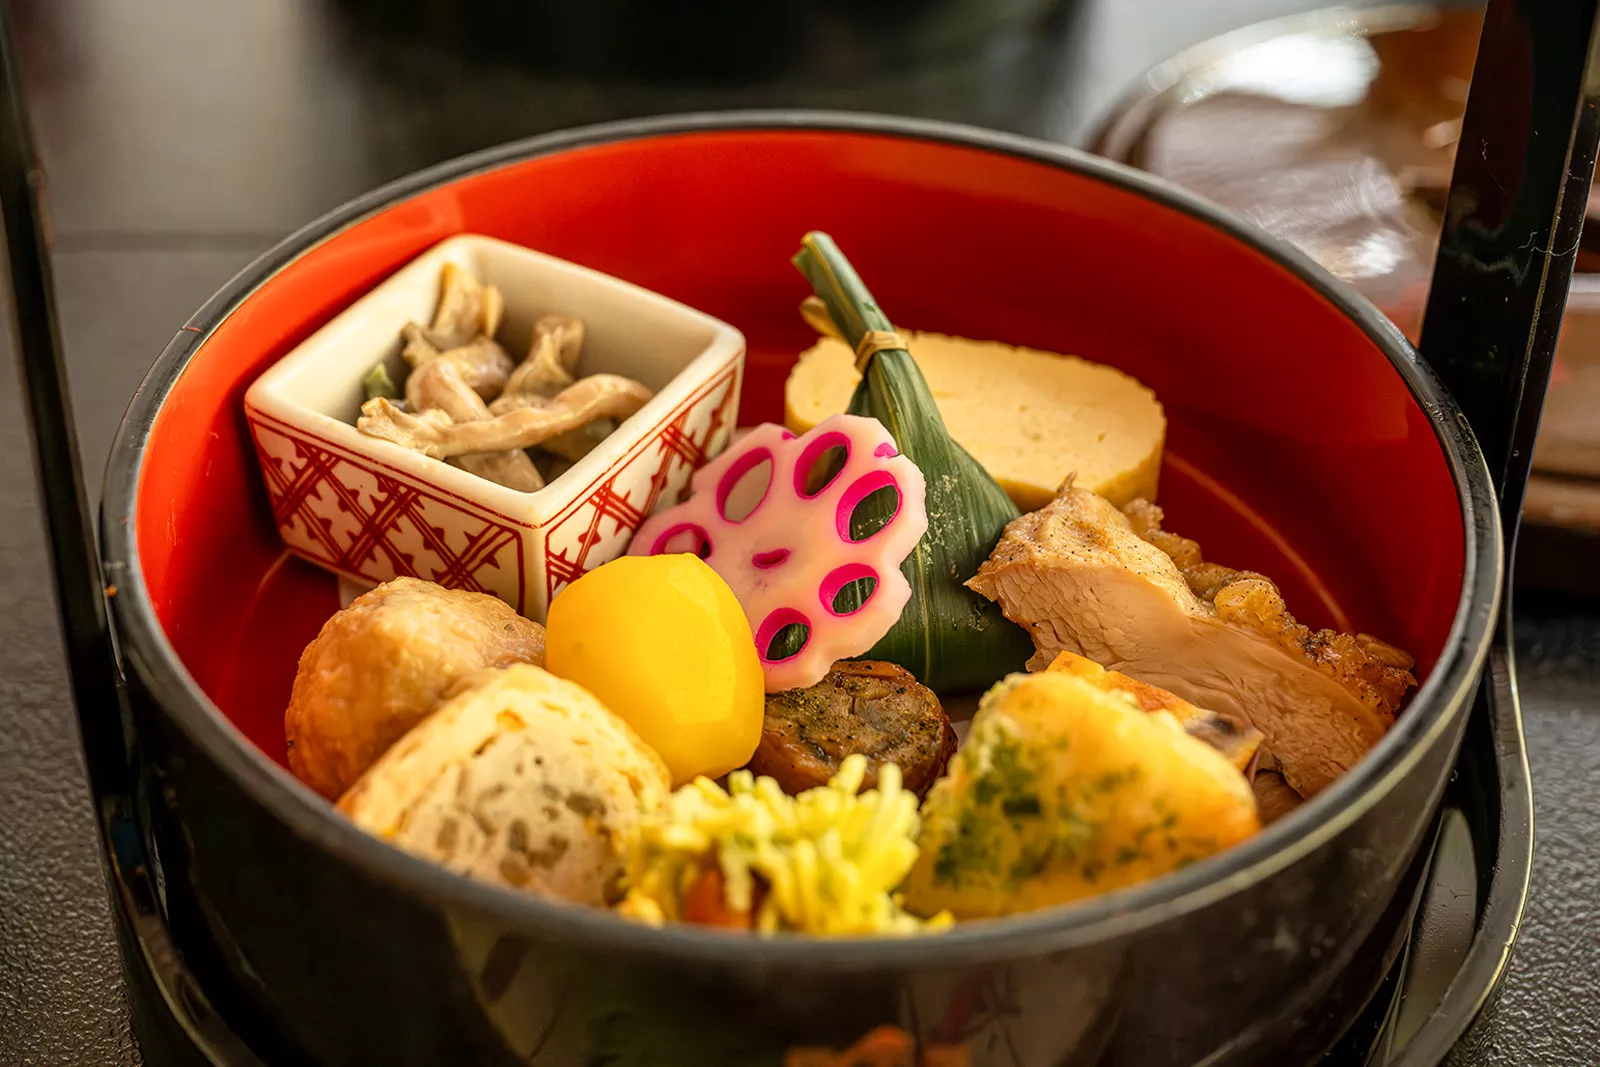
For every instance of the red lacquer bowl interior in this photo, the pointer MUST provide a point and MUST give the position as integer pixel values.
(1295, 448)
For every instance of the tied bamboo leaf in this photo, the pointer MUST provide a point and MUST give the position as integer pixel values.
(949, 637)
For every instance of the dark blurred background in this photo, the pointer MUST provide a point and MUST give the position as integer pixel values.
(183, 137)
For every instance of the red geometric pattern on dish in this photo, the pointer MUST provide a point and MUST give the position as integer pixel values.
(601, 522)
(350, 515)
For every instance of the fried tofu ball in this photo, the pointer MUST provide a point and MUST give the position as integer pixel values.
(382, 664)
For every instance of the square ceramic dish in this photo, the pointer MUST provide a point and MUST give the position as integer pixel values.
(370, 510)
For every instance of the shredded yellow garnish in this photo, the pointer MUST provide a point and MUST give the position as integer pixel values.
(830, 858)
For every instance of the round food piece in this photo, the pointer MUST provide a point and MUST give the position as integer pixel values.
(663, 642)
(519, 778)
(1065, 790)
(382, 664)
(862, 706)
(1031, 418)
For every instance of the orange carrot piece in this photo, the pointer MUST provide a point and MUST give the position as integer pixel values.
(886, 1046)
(706, 905)
(946, 1056)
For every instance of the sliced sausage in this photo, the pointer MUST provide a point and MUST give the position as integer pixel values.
(876, 709)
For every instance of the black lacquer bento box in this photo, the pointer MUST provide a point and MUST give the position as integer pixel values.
(1306, 438)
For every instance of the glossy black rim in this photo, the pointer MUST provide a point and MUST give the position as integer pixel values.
(1478, 979)
(1441, 699)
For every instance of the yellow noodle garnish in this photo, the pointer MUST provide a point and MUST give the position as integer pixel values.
(830, 858)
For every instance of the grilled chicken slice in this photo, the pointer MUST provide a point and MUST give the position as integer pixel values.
(1274, 798)
(1079, 578)
(876, 709)
(1234, 738)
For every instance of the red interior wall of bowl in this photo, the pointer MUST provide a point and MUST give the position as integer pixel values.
(1294, 447)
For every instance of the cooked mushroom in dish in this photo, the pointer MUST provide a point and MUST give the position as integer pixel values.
(467, 402)
(434, 433)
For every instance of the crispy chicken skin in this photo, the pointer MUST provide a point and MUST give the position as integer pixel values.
(876, 709)
(1376, 670)
(1080, 578)
(382, 664)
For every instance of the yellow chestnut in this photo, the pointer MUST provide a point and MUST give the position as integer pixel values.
(663, 642)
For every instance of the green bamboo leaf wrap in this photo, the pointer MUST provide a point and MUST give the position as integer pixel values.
(953, 640)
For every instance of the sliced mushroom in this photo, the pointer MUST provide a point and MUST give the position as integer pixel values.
(550, 467)
(467, 309)
(575, 444)
(509, 401)
(483, 363)
(548, 370)
(439, 386)
(552, 358)
(599, 396)
(572, 445)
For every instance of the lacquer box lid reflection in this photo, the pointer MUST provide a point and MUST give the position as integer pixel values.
(1337, 130)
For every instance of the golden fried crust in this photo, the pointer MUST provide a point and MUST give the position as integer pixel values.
(381, 665)
(1064, 790)
(1234, 738)
(519, 778)
(1377, 673)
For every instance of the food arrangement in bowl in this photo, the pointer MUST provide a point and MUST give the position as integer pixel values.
(859, 678)
(761, 716)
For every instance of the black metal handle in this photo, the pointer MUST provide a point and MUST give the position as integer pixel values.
(1517, 199)
(80, 596)
(80, 599)
(1504, 801)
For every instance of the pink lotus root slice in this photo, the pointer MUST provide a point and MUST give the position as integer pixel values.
(787, 556)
